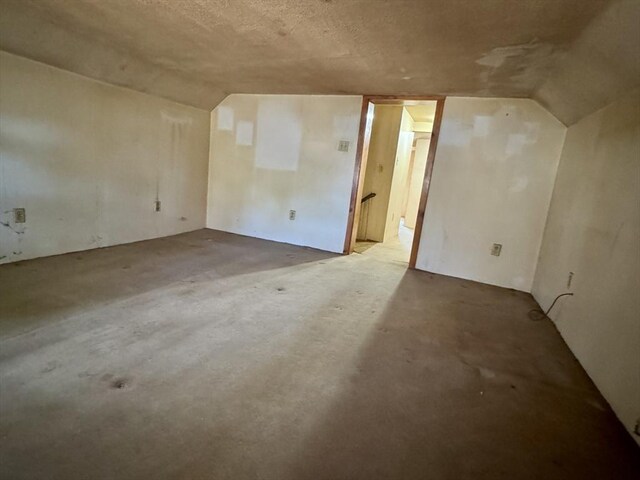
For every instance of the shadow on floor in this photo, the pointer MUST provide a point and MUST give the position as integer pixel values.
(465, 386)
(343, 368)
(58, 286)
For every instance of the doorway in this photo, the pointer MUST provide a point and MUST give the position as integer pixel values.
(394, 161)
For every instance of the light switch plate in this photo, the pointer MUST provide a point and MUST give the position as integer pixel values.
(292, 214)
(496, 249)
(343, 146)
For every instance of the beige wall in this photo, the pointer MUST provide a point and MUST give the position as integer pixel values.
(383, 147)
(492, 181)
(416, 181)
(87, 160)
(593, 230)
(397, 194)
(274, 153)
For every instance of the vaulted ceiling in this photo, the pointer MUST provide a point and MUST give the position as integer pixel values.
(573, 56)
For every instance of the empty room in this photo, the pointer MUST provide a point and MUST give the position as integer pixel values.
(320, 239)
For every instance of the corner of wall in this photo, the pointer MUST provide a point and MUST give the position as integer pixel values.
(592, 229)
(543, 105)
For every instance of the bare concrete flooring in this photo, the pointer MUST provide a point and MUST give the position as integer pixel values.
(213, 356)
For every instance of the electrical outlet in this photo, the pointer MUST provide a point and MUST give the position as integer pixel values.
(343, 146)
(158, 205)
(292, 214)
(496, 249)
(19, 215)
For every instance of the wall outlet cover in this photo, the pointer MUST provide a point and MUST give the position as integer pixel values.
(19, 215)
(292, 214)
(158, 205)
(496, 249)
(343, 146)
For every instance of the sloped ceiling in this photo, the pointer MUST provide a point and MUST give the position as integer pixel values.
(601, 65)
(198, 51)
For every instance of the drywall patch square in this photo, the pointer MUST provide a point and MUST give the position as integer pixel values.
(244, 133)
(515, 143)
(225, 118)
(279, 133)
(481, 124)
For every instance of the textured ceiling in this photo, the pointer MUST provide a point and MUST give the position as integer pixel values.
(198, 51)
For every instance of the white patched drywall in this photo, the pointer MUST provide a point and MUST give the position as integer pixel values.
(493, 176)
(271, 154)
(593, 230)
(87, 161)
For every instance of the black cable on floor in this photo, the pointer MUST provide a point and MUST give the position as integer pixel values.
(538, 314)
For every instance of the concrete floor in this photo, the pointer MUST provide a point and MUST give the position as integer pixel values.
(213, 356)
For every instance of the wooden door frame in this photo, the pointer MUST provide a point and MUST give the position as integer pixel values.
(361, 165)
